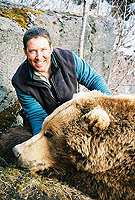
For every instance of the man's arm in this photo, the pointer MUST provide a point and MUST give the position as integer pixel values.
(88, 77)
(34, 111)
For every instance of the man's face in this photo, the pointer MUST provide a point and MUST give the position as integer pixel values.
(38, 53)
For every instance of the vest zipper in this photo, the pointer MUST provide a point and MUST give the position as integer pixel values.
(56, 90)
(49, 90)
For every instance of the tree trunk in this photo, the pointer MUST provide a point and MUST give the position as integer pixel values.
(84, 20)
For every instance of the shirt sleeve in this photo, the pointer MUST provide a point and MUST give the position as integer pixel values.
(34, 111)
(88, 77)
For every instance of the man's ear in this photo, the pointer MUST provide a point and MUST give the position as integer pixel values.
(25, 51)
(51, 47)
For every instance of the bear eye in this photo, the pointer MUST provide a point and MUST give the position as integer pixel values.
(48, 135)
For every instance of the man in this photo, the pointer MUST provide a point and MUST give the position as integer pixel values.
(49, 77)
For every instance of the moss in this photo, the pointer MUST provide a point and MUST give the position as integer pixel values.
(22, 184)
(19, 15)
(8, 116)
(41, 22)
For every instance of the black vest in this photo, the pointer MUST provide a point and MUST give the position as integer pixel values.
(63, 81)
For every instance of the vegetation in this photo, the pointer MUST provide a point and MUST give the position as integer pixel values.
(19, 15)
(22, 184)
(8, 116)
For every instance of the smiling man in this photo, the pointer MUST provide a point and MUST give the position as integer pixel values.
(38, 52)
(49, 77)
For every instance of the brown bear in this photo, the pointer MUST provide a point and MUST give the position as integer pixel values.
(94, 133)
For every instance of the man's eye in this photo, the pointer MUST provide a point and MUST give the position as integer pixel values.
(32, 52)
(44, 50)
(48, 135)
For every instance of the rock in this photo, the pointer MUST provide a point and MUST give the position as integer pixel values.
(65, 30)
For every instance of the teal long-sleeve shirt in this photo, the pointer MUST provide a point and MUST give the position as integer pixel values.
(85, 76)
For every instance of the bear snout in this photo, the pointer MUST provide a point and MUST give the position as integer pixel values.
(16, 152)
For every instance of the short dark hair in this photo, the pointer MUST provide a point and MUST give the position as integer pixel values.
(35, 32)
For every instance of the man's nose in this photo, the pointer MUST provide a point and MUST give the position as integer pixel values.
(38, 55)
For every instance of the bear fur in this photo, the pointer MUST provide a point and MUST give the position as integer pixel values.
(9, 139)
(94, 134)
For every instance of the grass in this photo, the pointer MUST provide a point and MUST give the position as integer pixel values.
(21, 184)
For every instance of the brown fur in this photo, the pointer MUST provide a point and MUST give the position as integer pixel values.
(94, 133)
(9, 139)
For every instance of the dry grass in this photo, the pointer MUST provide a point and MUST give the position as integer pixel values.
(21, 184)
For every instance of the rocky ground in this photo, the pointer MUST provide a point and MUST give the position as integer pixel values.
(21, 184)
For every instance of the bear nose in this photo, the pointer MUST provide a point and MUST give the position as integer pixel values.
(16, 152)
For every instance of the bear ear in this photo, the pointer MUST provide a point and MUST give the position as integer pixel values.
(98, 118)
